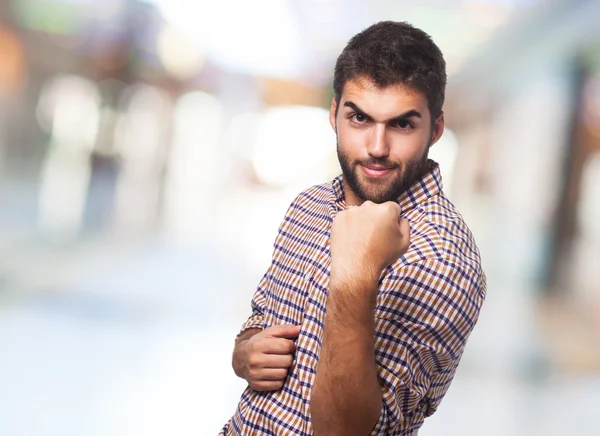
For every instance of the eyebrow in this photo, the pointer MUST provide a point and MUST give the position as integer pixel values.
(408, 114)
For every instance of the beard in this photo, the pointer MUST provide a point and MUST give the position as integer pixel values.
(386, 189)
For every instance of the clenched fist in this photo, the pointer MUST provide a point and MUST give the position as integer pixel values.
(367, 239)
(263, 360)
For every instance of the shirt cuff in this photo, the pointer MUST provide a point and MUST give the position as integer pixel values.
(256, 321)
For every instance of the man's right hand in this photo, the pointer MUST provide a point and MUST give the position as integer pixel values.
(365, 240)
(263, 359)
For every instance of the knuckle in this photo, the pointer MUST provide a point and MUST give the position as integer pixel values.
(252, 346)
(289, 346)
(253, 361)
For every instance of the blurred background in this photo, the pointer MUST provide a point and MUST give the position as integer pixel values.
(149, 150)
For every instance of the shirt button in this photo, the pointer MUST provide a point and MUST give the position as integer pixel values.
(307, 276)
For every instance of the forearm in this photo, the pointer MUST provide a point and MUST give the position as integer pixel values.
(346, 397)
(237, 360)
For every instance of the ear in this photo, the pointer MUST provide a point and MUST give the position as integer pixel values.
(438, 129)
(332, 110)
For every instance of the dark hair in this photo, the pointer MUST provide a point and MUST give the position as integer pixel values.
(391, 53)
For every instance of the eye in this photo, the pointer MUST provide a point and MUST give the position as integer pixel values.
(403, 124)
(359, 118)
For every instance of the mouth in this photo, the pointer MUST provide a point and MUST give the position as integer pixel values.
(375, 171)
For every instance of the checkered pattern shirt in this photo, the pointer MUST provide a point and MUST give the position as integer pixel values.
(427, 305)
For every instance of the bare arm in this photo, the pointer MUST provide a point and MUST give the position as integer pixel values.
(346, 398)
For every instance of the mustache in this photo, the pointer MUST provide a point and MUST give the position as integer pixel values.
(375, 162)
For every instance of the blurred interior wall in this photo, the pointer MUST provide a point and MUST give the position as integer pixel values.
(518, 99)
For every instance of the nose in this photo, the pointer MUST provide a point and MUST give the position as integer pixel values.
(378, 146)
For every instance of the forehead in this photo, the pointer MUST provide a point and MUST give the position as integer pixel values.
(387, 101)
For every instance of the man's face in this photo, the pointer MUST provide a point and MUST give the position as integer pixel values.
(383, 138)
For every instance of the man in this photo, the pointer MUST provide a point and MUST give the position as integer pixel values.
(359, 324)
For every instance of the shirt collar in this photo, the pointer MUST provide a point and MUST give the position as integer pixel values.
(427, 186)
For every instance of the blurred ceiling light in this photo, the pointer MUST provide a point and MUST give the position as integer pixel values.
(140, 140)
(68, 101)
(143, 124)
(180, 57)
(293, 144)
(69, 107)
(197, 166)
(260, 37)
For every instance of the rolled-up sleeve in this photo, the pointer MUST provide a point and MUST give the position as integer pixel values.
(425, 313)
(257, 318)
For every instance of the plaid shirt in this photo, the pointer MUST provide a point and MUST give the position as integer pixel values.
(427, 305)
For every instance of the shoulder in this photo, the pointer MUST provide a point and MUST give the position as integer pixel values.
(442, 245)
(439, 232)
(309, 213)
(313, 201)
(315, 195)
(438, 298)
